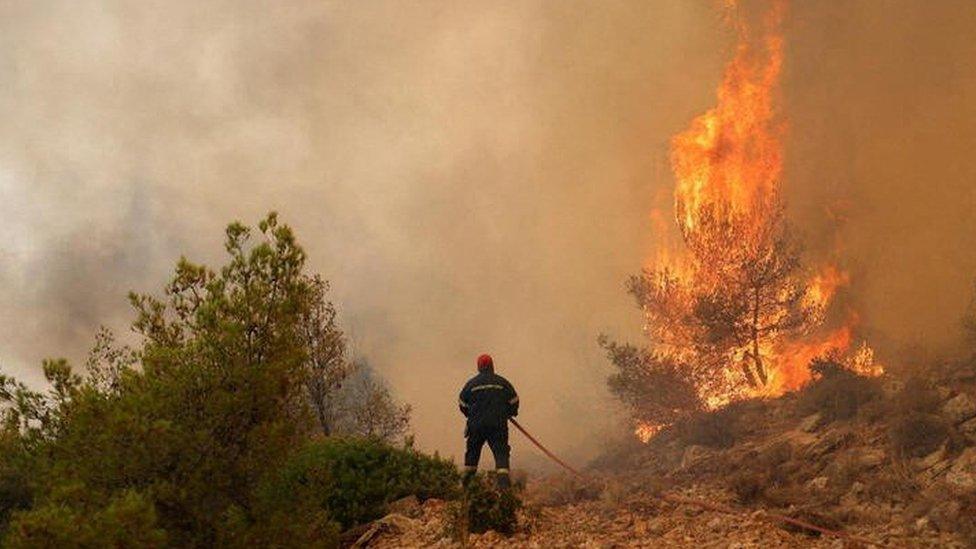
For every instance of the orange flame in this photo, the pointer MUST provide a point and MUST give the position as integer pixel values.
(732, 155)
(645, 431)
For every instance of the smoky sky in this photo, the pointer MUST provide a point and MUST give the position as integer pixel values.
(470, 176)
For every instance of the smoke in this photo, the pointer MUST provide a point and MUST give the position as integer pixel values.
(471, 176)
(881, 103)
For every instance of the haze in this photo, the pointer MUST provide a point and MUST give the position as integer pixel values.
(471, 176)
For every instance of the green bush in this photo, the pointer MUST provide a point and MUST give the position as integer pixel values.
(16, 492)
(294, 522)
(288, 510)
(836, 392)
(185, 436)
(355, 478)
(483, 507)
(129, 520)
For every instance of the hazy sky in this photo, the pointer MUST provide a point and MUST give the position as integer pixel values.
(471, 176)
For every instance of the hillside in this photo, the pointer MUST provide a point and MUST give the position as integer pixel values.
(879, 462)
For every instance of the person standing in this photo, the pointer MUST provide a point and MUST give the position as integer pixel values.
(488, 400)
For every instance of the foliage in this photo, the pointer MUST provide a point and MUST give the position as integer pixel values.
(482, 507)
(16, 489)
(836, 392)
(355, 478)
(363, 406)
(740, 290)
(283, 516)
(654, 388)
(743, 291)
(127, 520)
(326, 348)
(346, 397)
(174, 442)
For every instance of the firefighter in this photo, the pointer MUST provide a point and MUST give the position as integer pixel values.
(488, 400)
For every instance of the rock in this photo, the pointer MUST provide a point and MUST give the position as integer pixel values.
(869, 458)
(962, 474)
(714, 524)
(931, 460)
(694, 455)
(945, 515)
(959, 408)
(932, 473)
(798, 439)
(968, 428)
(810, 423)
(408, 507)
(828, 442)
(389, 525)
(922, 523)
(819, 483)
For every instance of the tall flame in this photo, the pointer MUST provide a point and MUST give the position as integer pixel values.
(732, 155)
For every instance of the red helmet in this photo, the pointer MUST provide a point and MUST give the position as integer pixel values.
(485, 362)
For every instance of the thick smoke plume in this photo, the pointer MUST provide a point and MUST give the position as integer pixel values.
(471, 176)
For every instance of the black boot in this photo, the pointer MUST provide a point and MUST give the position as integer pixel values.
(502, 479)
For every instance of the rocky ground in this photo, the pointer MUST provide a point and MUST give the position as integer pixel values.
(859, 476)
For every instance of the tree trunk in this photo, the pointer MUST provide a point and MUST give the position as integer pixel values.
(757, 359)
(756, 356)
(750, 376)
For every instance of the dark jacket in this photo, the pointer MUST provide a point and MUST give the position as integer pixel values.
(488, 400)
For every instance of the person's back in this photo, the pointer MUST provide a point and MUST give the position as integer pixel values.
(488, 400)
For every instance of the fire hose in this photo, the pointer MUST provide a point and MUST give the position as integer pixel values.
(545, 450)
(725, 509)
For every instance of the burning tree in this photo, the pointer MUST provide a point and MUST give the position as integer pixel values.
(730, 311)
(655, 386)
(741, 290)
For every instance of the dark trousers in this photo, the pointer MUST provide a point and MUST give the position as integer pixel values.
(497, 439)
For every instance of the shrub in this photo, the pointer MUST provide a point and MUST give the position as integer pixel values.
(484, 507)
(715, 429)
(836, 392)
(748, 486)
(198, 418)
(129, 520)
(916, 434)
(917, 395)
(355, 478)
(295, 522)
(758, 471)
(895, 481)
(287, 511)
(655, 387)
(16, 492)
(364, 406)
